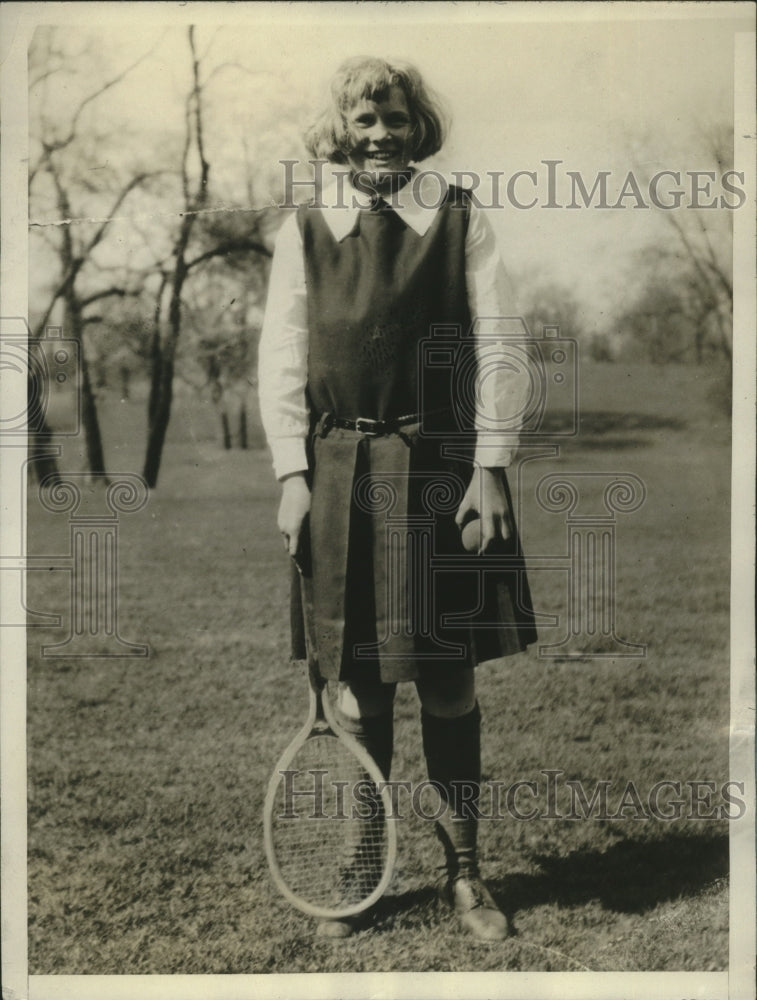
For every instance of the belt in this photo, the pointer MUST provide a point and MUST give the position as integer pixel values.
(368, 426)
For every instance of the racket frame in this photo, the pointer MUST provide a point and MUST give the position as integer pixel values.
(322, 722)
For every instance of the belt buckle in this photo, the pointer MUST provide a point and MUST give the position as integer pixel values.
(374, 430)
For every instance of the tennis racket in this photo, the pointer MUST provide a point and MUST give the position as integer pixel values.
(329, 841)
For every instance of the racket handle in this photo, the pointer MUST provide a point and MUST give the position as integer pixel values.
(308, 620)
(302, 558)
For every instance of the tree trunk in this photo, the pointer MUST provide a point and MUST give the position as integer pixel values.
(161, 382)
(156, 372)
(95, 452)
(164, 349)
(124, 378)
(43, 456)
(161, 396)
(699, 336)
(74, 325)
(90, 420)
(226, 430)
(243, 427)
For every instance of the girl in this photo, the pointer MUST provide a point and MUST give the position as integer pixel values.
(385, 449)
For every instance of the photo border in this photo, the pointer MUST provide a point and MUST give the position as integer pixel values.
(18, 22)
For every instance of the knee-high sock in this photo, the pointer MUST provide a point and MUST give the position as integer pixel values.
(375, 734)
(452, 748)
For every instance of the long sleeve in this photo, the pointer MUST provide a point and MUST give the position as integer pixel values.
(282, 358)
(504, 385)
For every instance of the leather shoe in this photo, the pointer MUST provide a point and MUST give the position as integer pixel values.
(476, 908)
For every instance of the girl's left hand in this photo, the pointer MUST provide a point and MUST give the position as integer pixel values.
(485, 496)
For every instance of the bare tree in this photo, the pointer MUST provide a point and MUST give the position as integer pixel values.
(710, 283)
(547, 302)
(75, 175)
(696, 261)
(657, 323)
(62, 160)
(222, 330)
(196, 243)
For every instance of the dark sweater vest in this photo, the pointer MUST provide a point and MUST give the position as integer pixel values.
(372, 297)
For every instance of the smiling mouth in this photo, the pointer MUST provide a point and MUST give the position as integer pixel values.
(382, 154)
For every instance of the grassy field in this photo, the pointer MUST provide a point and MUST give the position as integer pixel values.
(146, 776)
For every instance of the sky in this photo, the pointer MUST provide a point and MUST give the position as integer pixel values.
(599, 87)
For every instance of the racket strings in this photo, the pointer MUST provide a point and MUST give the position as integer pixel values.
(329, 826)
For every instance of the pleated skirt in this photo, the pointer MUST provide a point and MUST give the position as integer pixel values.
(394, 592)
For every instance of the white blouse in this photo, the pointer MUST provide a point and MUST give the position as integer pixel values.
(503, 383)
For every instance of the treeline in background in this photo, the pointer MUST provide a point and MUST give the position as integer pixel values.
(154, 215)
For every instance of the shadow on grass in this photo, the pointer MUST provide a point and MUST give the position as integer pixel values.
(631, 877)
(606, 428)
(409, 907)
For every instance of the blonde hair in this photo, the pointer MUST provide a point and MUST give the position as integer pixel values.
(368, 78)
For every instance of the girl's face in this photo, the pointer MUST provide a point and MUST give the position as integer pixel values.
(381, 132)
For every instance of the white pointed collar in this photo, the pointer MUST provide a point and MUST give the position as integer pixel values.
(417, 203)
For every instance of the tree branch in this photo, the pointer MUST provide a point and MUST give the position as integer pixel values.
(197, 93)
(107, 293)
(714, 265)
(239, 245)
(108, 85)
(134, 182)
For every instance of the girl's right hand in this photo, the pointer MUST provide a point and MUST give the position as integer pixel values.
(293, 509)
